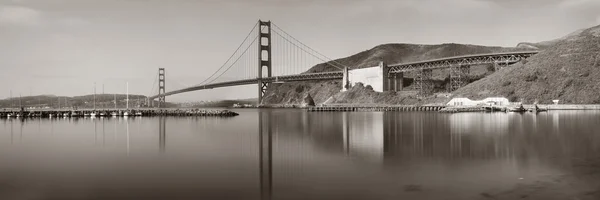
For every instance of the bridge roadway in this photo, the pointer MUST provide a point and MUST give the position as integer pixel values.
(288, 78)
(505, 58)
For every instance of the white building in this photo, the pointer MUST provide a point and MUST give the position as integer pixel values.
(491, 101)
(372, 76)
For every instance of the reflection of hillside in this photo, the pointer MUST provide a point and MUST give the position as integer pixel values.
(434, 135)
(549, 137)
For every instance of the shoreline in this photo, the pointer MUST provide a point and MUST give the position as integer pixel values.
(399, 107)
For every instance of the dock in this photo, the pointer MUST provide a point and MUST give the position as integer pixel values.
(376, 108)
(46, 113)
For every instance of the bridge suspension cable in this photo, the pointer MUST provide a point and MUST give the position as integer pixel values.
(176, 83)
(235, 53)
(243, 67)
(151, 93)
(279, 31)
(285, 56)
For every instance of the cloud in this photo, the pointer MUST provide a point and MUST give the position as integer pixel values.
(19, 15)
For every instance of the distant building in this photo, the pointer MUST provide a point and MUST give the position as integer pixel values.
(461, 102)
(491, 101)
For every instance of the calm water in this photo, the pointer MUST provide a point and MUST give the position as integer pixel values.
(359, 155)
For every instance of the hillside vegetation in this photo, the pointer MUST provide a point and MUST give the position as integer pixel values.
(567, 70)
(321, 91)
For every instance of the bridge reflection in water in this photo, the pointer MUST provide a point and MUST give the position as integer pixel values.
(291, 154)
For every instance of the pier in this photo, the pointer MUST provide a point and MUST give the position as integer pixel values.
(359, 108)
(46, 113)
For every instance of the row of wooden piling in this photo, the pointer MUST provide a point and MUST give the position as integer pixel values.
(372, 108)
(116, 113)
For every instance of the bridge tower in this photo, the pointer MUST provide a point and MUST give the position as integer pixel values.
(161, 87)
(264, 56)
(424, 82)
(459, 76)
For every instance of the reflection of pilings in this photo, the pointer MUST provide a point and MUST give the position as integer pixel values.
(127, 123)
(21, 130)
(265, 155)
(418, 136)
(11, 132)
(555, 122)
(346, 132)
(103, 135)
(95, 133)
(162, 136)
(305, 123)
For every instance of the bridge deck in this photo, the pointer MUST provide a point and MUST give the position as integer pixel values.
(504, 57)
(474, 59)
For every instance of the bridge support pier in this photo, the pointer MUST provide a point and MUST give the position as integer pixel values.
(424, 83)
(385, 76)
(161, 87)
(398, 81)
(459, 76)
(345, 80)
(264, 57)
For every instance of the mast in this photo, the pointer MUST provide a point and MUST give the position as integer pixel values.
(12, 101)
(103, 105)
(94, 95)
(127, 95)
(115, 101)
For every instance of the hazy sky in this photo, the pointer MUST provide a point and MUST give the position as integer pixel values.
(64, 46)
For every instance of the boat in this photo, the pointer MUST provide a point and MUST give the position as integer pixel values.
(493, 109)
(520, 109)
(93, 114)
(126, 113)
(537, 109)
(138, 113)
(114, 114)
(65, 114)
(9, 115)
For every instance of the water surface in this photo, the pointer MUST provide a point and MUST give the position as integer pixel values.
(302, 155)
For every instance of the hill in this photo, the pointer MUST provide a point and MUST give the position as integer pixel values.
(545, 44)
(567, 70)
(85, 101)
(321, 91)
(217, 104)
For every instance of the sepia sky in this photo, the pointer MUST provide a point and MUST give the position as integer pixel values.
(63, 46)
